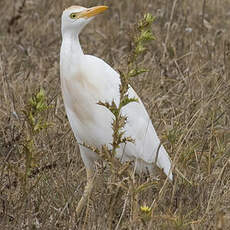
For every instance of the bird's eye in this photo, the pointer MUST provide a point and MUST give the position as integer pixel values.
(73, 16)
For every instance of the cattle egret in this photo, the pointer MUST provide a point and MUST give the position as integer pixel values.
(86, 80)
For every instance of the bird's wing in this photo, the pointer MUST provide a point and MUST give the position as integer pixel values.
(139, 125)
(140, 128)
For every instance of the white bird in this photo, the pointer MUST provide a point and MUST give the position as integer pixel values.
(86, 80)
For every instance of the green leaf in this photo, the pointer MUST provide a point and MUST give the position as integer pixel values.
(126, 100)
(135, 72)
(40, 95)
(146, 35)
(139, 49)
(149, 18)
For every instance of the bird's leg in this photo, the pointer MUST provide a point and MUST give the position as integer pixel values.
(87, 191)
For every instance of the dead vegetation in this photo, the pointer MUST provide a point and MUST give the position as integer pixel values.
(186, 92)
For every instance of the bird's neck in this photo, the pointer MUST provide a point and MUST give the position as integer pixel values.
(71, 43)
(71, 51)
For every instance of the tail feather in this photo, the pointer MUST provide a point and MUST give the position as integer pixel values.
(164, 162)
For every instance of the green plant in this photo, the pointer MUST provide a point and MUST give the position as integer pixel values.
(122, 174)
(36, 121)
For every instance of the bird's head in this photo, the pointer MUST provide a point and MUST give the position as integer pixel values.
(75, 18)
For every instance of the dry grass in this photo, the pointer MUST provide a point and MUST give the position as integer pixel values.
(186, 92)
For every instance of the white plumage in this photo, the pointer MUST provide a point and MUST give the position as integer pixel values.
(86, 80)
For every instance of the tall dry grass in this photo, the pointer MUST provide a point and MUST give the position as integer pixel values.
(186, 93)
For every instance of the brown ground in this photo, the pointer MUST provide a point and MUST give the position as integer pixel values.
(186, 92)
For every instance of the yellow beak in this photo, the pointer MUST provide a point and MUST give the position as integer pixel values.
(90, 12)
